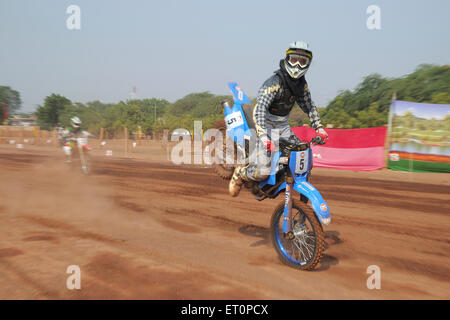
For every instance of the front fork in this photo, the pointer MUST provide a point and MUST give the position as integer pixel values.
(81, 154)
(287, 206)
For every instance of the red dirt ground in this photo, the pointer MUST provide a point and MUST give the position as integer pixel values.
(153, 230)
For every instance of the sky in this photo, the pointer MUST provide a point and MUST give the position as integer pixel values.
(171, 48)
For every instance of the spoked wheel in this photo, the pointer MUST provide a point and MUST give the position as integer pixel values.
(303, 246)
(78, 164)
(221, 167)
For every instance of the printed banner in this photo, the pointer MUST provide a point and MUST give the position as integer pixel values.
(348, 149)
(419, 137)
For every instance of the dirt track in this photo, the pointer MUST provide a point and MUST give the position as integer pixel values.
(149, 230)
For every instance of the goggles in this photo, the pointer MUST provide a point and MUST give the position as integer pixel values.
(298, 60)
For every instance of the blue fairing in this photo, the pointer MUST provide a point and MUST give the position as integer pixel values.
(273, 171)
(237, 126)
(238, 130)
(238, 94)
(319, 205)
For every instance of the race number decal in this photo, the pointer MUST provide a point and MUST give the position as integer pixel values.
(301, 162)
(240, 94)
(234, 120)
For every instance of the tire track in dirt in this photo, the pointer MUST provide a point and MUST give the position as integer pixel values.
(369, 193)
(174, 231)
(187, 283)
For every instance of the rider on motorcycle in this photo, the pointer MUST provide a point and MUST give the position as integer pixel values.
(275, 100)
(73, 132)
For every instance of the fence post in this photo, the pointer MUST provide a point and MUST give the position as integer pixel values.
(388, 140)
(126, 141)
(139, 136)
(21, 134)
(55, 137)
(37, 136)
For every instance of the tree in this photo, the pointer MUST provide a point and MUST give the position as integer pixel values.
(441, 98)
(9, 98)
(48, 115)
(298, 118)
(428, 83)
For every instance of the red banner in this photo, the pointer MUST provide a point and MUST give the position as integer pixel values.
(348, 149)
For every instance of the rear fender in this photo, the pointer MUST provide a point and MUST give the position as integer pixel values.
(237, 126)
(239, 96)
(319, 205)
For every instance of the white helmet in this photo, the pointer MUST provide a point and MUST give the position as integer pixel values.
(75, 122)
(298, 59)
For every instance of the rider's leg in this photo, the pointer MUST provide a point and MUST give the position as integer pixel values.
(257, 170)
(237, 180)
(260, 160)
(68, 153)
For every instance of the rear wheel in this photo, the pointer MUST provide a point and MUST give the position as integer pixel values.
(303, 246)
(222, 168)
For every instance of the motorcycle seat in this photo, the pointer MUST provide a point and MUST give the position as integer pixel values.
(248, 113)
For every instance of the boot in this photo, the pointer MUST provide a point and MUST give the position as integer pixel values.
(236, 182)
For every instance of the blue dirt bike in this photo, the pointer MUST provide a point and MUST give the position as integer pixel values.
(296, 228)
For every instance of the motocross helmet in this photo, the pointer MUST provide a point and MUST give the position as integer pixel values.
(75, 122)
(298, 59)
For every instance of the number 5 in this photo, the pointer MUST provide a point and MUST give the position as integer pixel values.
(302, 164)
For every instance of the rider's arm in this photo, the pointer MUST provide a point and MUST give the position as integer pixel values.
(308, 106)
(64, 135)
(266, 95)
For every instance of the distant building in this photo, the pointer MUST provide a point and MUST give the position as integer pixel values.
(21, 120)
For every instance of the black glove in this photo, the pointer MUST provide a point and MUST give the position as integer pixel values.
(291, 143)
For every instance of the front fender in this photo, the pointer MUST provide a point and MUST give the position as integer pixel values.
(319, 205)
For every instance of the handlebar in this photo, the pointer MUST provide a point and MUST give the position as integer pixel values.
(301, 146)
(316, 140)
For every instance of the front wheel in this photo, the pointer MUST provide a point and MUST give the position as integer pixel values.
(86, 164)
(303, 246)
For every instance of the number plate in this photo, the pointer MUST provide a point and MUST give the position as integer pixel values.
(301, 162)
(82, 141)
(234, 120)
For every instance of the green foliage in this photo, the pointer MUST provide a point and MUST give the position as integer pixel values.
(297, 118)
(368, 105)
(48, 115)
(441, 98)
(94, 115)
(10, 98)
(202, 106)
(198, 105)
